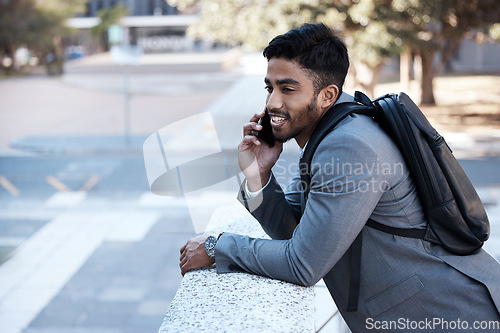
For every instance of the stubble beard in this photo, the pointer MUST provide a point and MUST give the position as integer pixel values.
(301, 119)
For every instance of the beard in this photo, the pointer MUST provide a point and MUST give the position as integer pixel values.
(302, 119)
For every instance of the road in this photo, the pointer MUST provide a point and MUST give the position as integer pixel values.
(122, 242)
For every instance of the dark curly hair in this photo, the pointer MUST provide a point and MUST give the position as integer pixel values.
(317, 49)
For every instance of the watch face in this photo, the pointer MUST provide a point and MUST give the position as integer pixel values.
(210, 245)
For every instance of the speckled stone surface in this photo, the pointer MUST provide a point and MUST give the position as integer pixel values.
(238, 302)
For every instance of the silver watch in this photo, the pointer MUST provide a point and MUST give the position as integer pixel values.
(210, 243)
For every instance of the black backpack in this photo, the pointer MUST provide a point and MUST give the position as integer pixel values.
(454, 212)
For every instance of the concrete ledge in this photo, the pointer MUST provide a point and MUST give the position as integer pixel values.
(238, 302)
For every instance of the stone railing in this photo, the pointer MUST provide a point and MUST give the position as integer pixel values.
(238, 302)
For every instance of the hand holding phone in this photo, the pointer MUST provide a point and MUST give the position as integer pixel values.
(266, 133)
(256, 163)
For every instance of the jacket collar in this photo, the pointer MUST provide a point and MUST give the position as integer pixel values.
(343, 98)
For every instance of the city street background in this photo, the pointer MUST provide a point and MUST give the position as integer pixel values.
(85, 247)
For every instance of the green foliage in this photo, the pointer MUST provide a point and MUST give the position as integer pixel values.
(431, 24)
(373, 29)
(34, 23)
(254, 23)
(494, 32)
(16, 23)
(62, 8)
(108, 17)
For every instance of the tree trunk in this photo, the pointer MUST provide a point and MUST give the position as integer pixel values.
(427, 79)
(10, 49)
(370, 87)
(451, 46)
(404, 71)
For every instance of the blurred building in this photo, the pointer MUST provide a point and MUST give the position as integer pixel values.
(475, 57)
(152, 25)
(135, 7)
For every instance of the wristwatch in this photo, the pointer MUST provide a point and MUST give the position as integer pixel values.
(210, 243)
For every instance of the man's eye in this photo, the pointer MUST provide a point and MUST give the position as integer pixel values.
(269, 89)
(288, 89)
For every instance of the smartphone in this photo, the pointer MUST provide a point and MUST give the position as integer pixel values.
(266, 133)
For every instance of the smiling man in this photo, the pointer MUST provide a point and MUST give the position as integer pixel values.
(404, 281)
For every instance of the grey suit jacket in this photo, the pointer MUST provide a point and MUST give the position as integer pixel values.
(358, 173)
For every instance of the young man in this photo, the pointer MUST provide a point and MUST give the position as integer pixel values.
(357, 173)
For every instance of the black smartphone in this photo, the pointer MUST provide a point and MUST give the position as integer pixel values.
(266, 133)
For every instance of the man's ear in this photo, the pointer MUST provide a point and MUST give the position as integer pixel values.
(328, 96)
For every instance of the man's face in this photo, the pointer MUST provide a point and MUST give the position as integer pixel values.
(291, 101)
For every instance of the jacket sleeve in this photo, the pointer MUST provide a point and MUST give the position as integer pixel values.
(280, 214)
(346, 185)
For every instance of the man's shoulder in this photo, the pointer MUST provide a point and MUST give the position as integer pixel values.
(359, 128)
(360, 135)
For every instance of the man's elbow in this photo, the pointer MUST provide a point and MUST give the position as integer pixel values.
(308, 279)
(303, 269)
(310, 282)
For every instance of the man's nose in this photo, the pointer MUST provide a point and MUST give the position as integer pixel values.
(274, 101)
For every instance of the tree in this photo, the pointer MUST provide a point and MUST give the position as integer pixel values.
(374, 29)
(255, 23)
(16, 25)
(369, 41)
(433, 30)
(108, 17)
(35, 24)
(252, 23)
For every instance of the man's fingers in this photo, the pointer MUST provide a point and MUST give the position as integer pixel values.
(251, 139)
(183, 248)
(253, 126)
(257, 116)
(183, 262)
(248, 142)
(251, 129)
(183, 270)
(185, 265)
